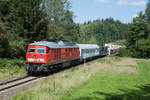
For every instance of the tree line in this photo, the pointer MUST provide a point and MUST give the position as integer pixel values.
(25, 21)
(138, 37)
(102, 31)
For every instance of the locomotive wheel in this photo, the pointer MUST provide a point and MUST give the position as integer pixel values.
(29, 72)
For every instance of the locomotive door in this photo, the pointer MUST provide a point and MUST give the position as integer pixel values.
(63, 54)
(52, 55)
(57, 54)
(48, 52)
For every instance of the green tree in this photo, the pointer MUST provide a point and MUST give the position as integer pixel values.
(147, 14)
(61, 24)
(137, 41)
(26, 18)
(25, 21)
(102, 31)
(4, 44)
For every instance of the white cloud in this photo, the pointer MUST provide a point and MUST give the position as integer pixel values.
(109, 6)
(102, 1)
(122, 2)
(132, 2)
(135, 15)
(139, 3)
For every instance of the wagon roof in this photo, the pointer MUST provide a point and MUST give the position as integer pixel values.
(56, 44)
(88, 46)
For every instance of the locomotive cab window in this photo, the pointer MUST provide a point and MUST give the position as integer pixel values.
(40, 50)
(31, 49)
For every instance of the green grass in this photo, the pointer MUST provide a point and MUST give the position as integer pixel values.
(94, 81)
(10, 68)
(110, 86)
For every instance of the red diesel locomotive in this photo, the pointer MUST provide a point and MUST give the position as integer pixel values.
(42, 56)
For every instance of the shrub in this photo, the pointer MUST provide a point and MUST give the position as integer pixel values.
(123, 52)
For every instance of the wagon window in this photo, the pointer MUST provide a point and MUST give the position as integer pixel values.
(32, 49)
(41, 50)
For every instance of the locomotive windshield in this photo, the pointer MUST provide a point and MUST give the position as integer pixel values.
(32, 49)
(40, 50)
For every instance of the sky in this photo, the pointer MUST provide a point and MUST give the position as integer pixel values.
(123, 10)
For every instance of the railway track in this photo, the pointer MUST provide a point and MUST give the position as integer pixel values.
(14, 86)
(12, 80)
(16, 82)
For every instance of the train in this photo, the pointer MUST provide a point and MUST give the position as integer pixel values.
(43, 56)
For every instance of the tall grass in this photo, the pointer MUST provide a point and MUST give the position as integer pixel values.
(10, 68)
(113, 86)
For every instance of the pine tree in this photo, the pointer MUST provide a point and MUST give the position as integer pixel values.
(25, 21)
(26, 18)
(137, 42)
(147, 13)
(4, 44)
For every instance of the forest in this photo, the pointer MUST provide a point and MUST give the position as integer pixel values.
(25, 21)
(138, 36)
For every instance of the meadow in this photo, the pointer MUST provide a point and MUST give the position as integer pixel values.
(109, 78)
(115, 86)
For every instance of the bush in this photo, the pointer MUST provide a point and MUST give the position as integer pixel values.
(18, 48)
(4, 44)
(123, 52)
(5, 63)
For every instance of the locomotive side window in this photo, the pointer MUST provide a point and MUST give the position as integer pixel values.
(40, 50)
(32, 49)
(48, 49)
(66, 49)
(70, 49)
(52, 51)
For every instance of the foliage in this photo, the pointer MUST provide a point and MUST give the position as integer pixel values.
(11, 68)
(147, 14)
(61, 25)
(5, 63)
(25, 18)
(123, 52)
(27, 21)
(138, 40)
(4, 44)
(24, 21)
(102, 31)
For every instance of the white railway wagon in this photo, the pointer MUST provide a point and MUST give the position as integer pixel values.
(88, 50)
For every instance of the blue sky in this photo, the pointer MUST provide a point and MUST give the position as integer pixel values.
(123, 10)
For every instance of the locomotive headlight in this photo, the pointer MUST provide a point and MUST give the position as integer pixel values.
(41, 60)
(30, 59)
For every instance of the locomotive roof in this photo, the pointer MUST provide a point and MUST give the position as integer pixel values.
(56, 44)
